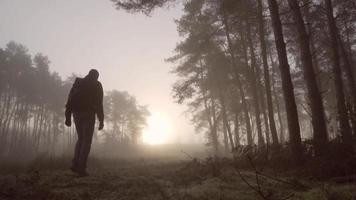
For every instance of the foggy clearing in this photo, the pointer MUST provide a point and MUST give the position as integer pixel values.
(158, 127)
(169, 99)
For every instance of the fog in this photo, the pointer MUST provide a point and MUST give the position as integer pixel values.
(169, 99)
(128, 50)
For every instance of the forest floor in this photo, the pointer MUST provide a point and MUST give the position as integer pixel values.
(158, 179)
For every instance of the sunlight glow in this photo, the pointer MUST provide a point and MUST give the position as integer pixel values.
(158, 129)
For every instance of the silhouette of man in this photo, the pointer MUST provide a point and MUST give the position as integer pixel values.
(84, 101)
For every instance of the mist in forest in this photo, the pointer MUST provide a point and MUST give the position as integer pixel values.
(200, 99)
(59, 56)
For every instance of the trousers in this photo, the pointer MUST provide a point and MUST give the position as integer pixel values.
(84, 124)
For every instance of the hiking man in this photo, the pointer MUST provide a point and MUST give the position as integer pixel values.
(84, 101)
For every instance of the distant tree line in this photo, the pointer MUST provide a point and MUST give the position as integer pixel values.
(268, 72)
(32, 100)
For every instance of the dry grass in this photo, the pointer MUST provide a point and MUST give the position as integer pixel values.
(150, 179)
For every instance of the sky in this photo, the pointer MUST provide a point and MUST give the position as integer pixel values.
(127, 49)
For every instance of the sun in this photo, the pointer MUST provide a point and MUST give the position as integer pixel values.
(158, 129)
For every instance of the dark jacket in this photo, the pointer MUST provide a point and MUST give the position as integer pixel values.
(85, 95)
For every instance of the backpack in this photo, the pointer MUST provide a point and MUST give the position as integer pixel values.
(82, 95)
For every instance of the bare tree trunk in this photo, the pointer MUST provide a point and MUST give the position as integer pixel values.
(14, 128)
(320, 134)
(239, 84)
(254, 90)
(348, 47)
(312, 45)
(225, 119)
(3, 117)
(7, 107)
(2, 108)
(40, 128)
(212, 124)
(35, 125)
(287, 85)
(350, 80)
(215, 126)
(237, 130)
(276, 99)
(225, 138)
(247, 117)
(339, 88)
(265, 118)
(261, 29)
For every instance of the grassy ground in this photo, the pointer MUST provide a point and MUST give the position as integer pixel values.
(153, 179)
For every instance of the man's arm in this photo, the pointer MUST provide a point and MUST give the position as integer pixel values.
(69, 107)
(100, 109)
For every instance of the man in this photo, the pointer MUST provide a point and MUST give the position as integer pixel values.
(84, 101)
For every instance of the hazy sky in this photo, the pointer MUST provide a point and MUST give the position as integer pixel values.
(128, 50)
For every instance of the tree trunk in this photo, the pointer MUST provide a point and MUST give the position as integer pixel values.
(225, 119)
(276, 100)
(320, 135)
(287, 85)
(261, 29)
(350, 80)
(239, 84)
(215, 127)
(237, 130)
(246, 116)
(339, 88)
(212, 125)
(254, 90)
(225, 139)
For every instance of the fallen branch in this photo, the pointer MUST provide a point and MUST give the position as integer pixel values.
(298, 186)
(257, 190)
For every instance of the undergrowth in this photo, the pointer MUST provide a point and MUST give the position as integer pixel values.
(210, 179)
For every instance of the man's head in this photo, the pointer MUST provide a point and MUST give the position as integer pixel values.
(93, 74)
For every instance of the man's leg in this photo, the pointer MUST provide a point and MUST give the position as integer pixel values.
(88, 130)
(79, 125)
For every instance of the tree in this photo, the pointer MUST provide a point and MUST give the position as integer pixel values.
(287, 85)
(316, 103)
(145, 6)
(125, 117)
(339, 88)
(261, 29)
(32, 106)
(231, 29)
